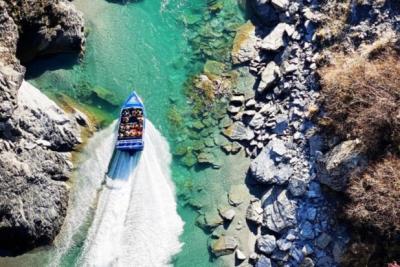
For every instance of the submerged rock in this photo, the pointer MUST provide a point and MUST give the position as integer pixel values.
(244, 44)
(224, 245)
(237, 194)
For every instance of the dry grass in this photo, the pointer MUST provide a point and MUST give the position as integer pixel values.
(335, 16)
(361, 99)
(374, 198)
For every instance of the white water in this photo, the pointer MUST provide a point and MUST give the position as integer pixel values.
(136, 223)
(135, 220)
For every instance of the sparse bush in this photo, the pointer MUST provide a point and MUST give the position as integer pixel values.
(361, 99)
(374, 198)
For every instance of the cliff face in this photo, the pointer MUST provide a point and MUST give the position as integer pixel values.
(36, 137)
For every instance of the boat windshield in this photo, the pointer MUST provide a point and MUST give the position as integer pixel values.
(131, 124)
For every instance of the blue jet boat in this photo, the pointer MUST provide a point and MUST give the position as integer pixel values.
(131, 125)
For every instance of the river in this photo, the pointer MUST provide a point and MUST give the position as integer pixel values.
(153, 47)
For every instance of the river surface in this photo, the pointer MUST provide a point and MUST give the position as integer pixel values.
(150, 46)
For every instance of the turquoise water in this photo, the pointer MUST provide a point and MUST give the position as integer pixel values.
(154, 47)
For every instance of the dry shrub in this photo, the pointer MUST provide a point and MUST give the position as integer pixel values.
(335, 15)
(374, 198)
(361, 99)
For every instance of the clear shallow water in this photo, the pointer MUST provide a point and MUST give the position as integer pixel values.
(145, 46)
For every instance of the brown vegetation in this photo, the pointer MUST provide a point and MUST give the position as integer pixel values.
(362, 99)
(361, 94)
(375, 198)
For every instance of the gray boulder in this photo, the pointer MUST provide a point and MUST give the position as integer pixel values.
(275, 39)
(335, 167)
(279, 210)
(265, 169)
(268, 77)
(254, 211)
(263, 262)
(266, 244)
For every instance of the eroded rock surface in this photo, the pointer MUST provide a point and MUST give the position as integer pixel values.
(36, 137)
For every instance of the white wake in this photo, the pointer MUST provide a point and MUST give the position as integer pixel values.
(136, 223)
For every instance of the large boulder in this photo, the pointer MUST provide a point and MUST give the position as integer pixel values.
(244, 44)
(275, 39)
(279, 209)
(266, 244)
(270, 166)
(335, 167)
(238, 132)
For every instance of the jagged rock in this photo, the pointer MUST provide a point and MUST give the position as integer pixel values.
(334, 167)
(244, 44)
(280, 4)
(265, 169)
(268, 77)
(33, 198)
(274, 40)
(238, 132)
(307, 250)
(284, 244)
(297, 186)
(263, 262)
(254, 211)
(266, 244)
(323, 240)
(279, 210)
(307, 262)
(257, 121)
(307, 230)
(282, 123)
(240, 255)
(224, 245)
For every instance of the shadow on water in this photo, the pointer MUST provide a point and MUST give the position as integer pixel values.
(39, 66)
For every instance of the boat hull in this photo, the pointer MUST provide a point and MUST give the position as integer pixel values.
(131, 125)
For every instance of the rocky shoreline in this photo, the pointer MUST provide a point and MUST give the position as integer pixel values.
(293, 160)
(293, 218)
(36, 136)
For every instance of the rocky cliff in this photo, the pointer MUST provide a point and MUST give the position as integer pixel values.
(36, 137)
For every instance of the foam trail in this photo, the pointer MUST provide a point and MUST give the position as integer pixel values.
(136, 223)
